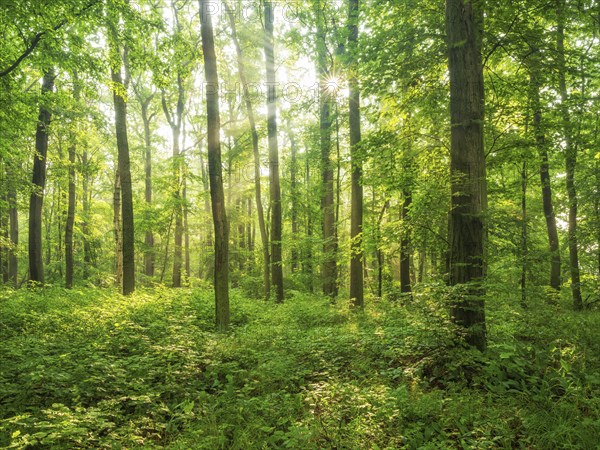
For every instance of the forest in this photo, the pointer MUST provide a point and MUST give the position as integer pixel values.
(317, 224)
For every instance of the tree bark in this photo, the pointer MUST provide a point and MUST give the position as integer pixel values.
(85, 230)
(356, 208)
(13, 231)
(119, 99)
(186, 228)
(524, 235)
(274, 185)
(294, 196)
(117, 230)
(540, 141)
(36, 264)
(464, 27)
(215, 170)
(71, 202)
(570, 158)
(405, 282)
(175, 121)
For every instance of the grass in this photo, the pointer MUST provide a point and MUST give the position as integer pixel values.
(91, 369)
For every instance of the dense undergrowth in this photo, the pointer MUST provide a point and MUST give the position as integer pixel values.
(91, 369)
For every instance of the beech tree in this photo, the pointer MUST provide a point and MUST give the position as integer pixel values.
(217, 196)
(464, 27)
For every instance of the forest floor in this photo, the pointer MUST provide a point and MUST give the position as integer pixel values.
(90, 369)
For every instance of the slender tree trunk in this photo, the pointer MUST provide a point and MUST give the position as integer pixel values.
(70, 221)
(274, 186)
(149, 256)
(540, 140)
(597, 196)
(570, 157)
(329, 268)
(294, 195)
(464, 27)
(356, 213)
(256, 152)
(186, 228)
(85, 230)
(4, 231)
(36, 265)
(405, 284)
(524, 234)
(120, 105)
(13, 233)
(215, 169)
(71, 203)
(175, 121)
(308, 258)
(117, 230)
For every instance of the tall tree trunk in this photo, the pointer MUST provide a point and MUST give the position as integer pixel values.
(405, 284)
(570, 157)
(208, 242)
(524, 234)
(71, 202)
(13, 231)
(329, 268)
(294, 195)
(175, 121)
(215, 170)
(274, 187)
(149, 255)
(464, 27)
(126, 189)
(256, 152)
(85, 229)
(186, 228)
(70, 221)
(307, 264)
(120, 105)
(356, 208)
(36, 265)
(540, 141)
(117, 230)
(4, 231)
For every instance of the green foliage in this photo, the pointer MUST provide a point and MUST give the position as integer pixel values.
(92, 369)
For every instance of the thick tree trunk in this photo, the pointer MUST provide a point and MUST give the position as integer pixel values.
(356, 213)
(570, 158)
(256, 152)
(215, 170)
(329, 267)
(274, 187)
(36, 265)
(464, 26)
(540, 141)
(405, 284)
